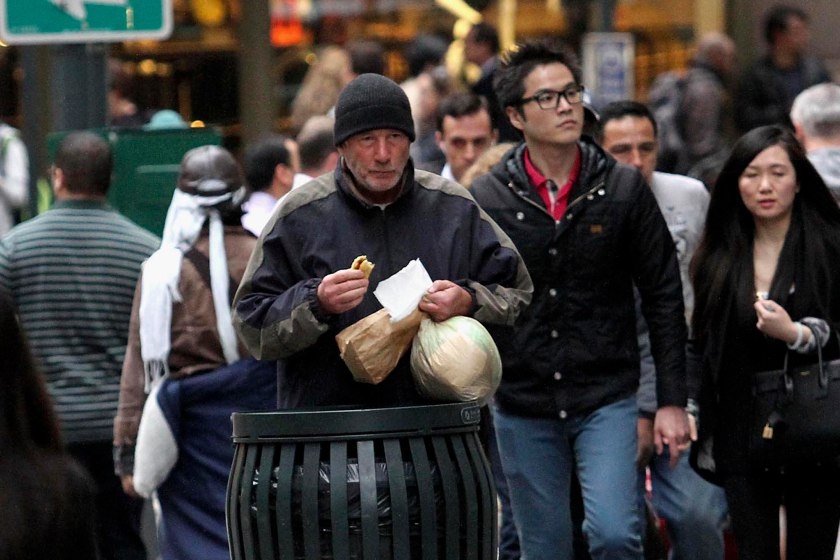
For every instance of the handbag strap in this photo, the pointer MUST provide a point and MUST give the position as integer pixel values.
(823, 371)
(202, 265)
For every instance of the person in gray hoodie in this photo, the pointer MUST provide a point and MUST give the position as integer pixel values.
(816, 119)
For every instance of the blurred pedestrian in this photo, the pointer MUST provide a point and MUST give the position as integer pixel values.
(270, 168)
(707, 123)
(767, 88)
(316, 147)
(47, 498)
(366, 57)
(424, 53)
(694, 510)
(71, 272)
(816, 119)
(434, 86)
(481, 47)
(123, 110)
(322, 83)
(183, 348)
(14, 177)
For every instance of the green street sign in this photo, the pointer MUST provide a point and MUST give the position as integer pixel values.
(31, 22)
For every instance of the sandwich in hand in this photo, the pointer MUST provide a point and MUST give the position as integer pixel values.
(361, 263)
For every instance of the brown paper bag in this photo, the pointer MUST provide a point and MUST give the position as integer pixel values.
(371, 347)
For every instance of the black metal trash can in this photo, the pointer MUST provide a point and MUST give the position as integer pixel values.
(340, 483)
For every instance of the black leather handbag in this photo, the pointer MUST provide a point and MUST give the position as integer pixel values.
(796, 413)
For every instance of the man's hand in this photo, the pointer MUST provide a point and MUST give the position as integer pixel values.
(671, 428)
(342, 291)
(445, 299)
(128, 485)
(645, 448)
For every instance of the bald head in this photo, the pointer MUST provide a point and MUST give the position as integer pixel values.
(316, 145)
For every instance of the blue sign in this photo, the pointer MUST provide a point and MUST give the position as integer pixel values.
(609, 67)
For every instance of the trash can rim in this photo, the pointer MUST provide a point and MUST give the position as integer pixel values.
(342, 421)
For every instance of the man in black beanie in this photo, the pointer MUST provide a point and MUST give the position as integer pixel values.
(299, 292)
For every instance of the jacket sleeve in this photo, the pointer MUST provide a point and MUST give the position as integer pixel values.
(657, 276)
(132, 395)
(502, 285)
(646, 394)
(274, 312)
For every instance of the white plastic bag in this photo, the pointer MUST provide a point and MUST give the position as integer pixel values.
(455, 360)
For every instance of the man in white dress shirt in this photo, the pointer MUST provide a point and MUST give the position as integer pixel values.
(270, 167)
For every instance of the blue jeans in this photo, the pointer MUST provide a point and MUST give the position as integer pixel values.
(695, 510)
(539, 456)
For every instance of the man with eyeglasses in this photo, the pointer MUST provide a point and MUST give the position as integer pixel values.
(588, 229)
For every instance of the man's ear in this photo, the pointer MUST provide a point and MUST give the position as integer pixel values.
(439, 140)
(799, 132)
(57, 180)
(515, 117)
(332, 160)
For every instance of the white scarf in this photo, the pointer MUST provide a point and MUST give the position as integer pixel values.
(162, 271)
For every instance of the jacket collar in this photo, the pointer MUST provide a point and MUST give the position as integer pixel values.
(345, 182)
(594, 163)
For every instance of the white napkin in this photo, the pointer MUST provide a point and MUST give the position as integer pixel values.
(401, 293)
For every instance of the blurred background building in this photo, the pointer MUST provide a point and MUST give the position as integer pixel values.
(237, 64)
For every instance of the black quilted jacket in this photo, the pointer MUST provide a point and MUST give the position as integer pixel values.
(575, 349)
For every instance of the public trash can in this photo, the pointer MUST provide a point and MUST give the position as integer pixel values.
(343, 483)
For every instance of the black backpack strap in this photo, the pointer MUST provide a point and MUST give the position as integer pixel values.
(202, 264)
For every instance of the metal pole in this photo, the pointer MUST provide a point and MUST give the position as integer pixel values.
(78, 86)
(256, 106)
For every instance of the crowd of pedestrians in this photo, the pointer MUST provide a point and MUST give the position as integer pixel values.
(622, 299)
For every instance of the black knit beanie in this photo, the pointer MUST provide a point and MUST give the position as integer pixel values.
(369, 102)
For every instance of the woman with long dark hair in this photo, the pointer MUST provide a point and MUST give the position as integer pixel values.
(767, 283)
(46, 499)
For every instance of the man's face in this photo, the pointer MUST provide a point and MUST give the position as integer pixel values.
(474, 51)
(465, 138)
(630, 140)
(554, 126)
(377, 159)
(797, 35)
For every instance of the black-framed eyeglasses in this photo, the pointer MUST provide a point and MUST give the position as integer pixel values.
(549, 99)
